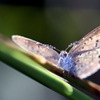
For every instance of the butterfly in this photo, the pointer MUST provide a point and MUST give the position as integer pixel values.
(82, 60)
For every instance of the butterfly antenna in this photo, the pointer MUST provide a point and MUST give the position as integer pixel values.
(54, 48)
(71, 44)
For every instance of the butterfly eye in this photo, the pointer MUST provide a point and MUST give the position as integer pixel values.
(65, 55)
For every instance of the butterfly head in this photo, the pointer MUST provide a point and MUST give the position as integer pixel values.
(63, 54)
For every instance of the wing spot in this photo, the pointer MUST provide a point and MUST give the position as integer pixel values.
(81, 65)
(74, 64)
(88, 52)
(82, 47)
(91, 38)
(77, 60)
(84, 42)
(97, 40)
(96, 43)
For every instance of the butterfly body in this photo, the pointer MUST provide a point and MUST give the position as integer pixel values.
(65, 61)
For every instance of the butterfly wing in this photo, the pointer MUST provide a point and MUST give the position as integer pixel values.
(86, 54)
(36, 47)
(89, 42)
(86, 64)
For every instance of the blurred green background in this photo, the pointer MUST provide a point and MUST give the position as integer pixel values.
(54, 22)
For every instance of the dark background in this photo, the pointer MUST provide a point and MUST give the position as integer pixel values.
(55, 22)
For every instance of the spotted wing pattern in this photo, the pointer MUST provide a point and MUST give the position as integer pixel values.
(36, 47)
(86, 64)
(85, 54)
(89, 42)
